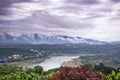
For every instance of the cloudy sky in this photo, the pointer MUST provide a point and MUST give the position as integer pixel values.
(94, 19)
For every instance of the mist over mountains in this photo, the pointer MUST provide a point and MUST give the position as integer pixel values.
(45, 39)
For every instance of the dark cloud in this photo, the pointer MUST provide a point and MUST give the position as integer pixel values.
(6, 4)
(4, 11)
(41, 21)
(87, 2)
(115, 1)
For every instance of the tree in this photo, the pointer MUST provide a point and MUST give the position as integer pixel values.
(38, 69)
(30, 70)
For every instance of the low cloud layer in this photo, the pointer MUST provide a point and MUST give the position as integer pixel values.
(95, 19)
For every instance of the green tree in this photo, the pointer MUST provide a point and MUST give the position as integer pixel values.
(38, 69)
(114, 76)
(5, 69)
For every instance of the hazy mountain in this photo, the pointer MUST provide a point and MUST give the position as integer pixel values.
(44, 39)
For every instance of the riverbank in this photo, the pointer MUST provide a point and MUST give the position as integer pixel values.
(28, 62)
(51, 60)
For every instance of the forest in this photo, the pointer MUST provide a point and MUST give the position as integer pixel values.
(46, 49)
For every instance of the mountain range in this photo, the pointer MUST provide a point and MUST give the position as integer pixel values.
(45, 39)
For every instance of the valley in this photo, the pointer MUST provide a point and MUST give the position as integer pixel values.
(22, 55)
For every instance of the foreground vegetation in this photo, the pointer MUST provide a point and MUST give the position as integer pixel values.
(99, 72)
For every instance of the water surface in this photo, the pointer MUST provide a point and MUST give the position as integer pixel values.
(54, 62)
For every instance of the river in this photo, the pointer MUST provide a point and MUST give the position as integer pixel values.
(53, 62)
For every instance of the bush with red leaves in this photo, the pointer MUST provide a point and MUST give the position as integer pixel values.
(79, 73)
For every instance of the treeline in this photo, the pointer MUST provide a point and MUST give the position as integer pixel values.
(100, 72)
(13, 54)
(64, 48)
(10, 51)
(112, 60)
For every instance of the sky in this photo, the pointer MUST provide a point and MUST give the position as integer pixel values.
(94, 19)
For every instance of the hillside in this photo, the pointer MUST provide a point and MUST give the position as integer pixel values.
(45, 39)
